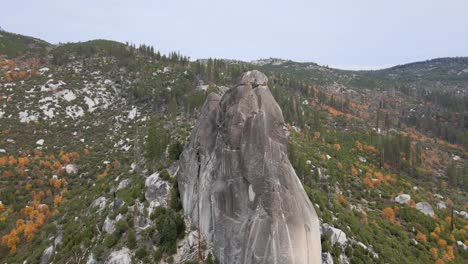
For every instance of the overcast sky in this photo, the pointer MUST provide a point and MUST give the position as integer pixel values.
(351, 34)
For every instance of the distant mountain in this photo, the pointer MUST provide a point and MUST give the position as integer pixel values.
(12, 45)
(449, 73)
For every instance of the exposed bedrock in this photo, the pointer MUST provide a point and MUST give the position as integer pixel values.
(238, 186)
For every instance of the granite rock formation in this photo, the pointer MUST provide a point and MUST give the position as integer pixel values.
(238, 186)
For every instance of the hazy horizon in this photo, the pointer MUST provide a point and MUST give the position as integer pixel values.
(358, 35)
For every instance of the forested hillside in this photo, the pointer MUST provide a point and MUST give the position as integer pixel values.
(91, 135)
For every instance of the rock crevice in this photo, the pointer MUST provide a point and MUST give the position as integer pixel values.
(238, 186)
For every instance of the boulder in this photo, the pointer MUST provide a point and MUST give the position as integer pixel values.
(100, 203)
(122, 256)
(123, 184)
(334, 234)
(71, 169)
(462, 214)
(238, 186)
(47, 254)
(441, 205)
(403, 198)
(156, 188)
(91, 259)
(327, 258)
(462, 245)
(343, 259)
(192, 239)
(425, 208)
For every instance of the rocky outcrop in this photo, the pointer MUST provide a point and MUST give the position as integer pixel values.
(122, 256)
(334, 234)
(238, 186)
(425, 208)
(327, 258)
(47, 254)
(403, 198)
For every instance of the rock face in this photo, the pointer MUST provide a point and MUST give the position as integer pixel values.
(122, 256)
(336, 235)
(45, 258)
(238, 186)
(425, 208)
(403, 198)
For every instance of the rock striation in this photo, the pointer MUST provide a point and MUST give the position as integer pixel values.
(238, 186)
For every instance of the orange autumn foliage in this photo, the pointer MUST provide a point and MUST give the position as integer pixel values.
(12, 161)
(389, 214)
(3, 161)
(6, 173)
(434, 253)
(390, 179)
(354, 172)
(368, 182)
(58, 200)
(449, 254)
(316, 135)
(332, 110)
(442, 243)
(58, 183)
(339, 165)
(104, 173)
(359, 145)
(64, 158)
(11, 240)
(371, 149)
(23, 161)
(421, 237)
(336, 146)
(341, 199)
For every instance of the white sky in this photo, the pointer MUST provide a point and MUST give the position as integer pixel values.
(357, 34)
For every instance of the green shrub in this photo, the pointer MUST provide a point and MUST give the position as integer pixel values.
(170, 226)
(174, 199)
(121, 226)
(175, 149)
(164, 175)
(131, 239)
(110, 240)
(141, 253)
